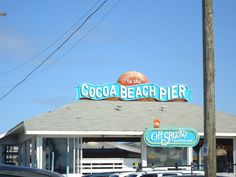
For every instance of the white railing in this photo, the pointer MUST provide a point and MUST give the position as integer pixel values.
(95, 165)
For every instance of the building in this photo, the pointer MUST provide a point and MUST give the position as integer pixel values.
(89, 136)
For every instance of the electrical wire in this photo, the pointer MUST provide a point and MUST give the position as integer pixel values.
(52, 44)
(59, 47)
(77, 43)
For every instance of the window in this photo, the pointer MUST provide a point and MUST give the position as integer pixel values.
(111, 149)
(160, 156)
(11, 154)
(55, 154)
(224, 155)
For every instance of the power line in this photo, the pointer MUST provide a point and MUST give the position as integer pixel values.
(78, 42)
(59, 47)
(53, 43)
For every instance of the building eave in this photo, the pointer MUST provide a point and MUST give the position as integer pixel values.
(14, 129)
(86, 133)
(107, 133)
(2, 135)
(220, 134)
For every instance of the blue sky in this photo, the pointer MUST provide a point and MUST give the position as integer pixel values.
(160, 38)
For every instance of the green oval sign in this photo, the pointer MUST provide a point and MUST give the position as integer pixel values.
(179, 137)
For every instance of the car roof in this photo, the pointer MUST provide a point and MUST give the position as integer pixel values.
(12, 170)
(167, 172)
(198, 176)
(106, 174)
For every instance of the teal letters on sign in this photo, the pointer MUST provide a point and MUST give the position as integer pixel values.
(181, 137)
(99, 92)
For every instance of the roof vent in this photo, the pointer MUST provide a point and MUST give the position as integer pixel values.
(162, 108)
(118, 108)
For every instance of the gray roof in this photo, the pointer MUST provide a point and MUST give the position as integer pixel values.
(88, 115)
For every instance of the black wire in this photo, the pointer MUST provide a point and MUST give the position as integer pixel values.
(80, 40)
(44, 50)
(60, 46)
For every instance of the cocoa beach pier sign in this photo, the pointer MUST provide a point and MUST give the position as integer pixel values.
(100, 92)
(133, 86)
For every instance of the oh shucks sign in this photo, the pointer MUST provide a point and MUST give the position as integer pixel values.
(176, 137)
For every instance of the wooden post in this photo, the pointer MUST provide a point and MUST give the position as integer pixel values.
(209, 87)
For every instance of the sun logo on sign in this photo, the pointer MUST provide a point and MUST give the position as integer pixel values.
(156, 123)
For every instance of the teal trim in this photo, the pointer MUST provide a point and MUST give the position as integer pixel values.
(178, 137)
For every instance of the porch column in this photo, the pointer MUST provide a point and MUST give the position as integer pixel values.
(200, 159)
(74, 155)
(143, 153)
(23, 154)
(33, 163)
(28, 153)
(234, 153)
(1, 152)
(81, 156)
(39, 156)
(189, 155)
(67, 157)
(19, 159)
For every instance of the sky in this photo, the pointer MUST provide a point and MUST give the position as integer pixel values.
(160, 38)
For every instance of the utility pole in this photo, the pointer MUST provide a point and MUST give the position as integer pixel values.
(209, 88)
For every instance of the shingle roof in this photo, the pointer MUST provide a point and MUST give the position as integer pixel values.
(88, 115)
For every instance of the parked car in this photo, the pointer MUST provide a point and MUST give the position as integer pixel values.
(165, 172)
(19, 171)
(155, 174)
(99, 174)
(122, 174)
(198, 176)
(160, 174)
